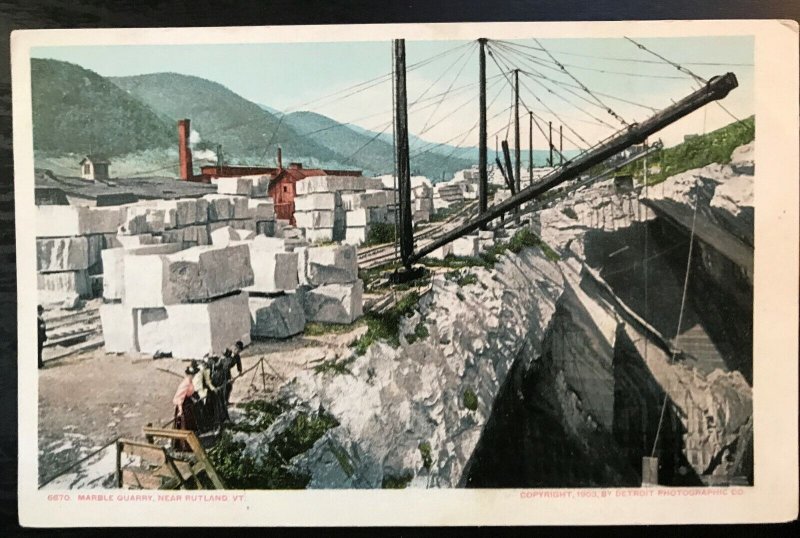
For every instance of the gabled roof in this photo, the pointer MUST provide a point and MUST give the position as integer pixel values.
(96, 159)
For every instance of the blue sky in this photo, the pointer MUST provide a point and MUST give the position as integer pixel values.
(301, 76)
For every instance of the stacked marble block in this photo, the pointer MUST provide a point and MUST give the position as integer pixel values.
(319, 207)
(185, 301)
(452, 192)
(421, 201)
(256, 189)
(69, 240)
(299, 284)
(365, 210)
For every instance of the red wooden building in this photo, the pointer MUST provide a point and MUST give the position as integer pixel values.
(282, 183)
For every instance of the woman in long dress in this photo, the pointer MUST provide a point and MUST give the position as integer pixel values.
(185, 416)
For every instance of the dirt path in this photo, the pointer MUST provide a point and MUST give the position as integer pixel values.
(87, 400)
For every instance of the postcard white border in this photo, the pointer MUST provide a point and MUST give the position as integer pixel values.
(775, 393)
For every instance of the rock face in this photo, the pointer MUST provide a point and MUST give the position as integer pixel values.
(334, 303)
(537, 373)
(276, 317)
(399, 398)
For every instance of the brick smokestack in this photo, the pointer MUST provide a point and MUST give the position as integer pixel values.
(280, 158)
(184, 152)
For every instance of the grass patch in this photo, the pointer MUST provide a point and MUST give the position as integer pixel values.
(396, 482)
(335, 367)
(380, 233)
(695, 152)
(420, 333)
(242, 471)
(371, 275)
(568, 211)
(319, 329)
(384, 325)
(470, 399)
(425, 451)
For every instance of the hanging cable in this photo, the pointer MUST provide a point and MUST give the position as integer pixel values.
(587, 90)
(673, 64)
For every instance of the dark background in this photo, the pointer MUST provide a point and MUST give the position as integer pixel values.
(154, 13)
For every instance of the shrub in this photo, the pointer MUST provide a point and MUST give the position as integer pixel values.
(384, 325)
(470, 399)
(425, 451)
(380, 233)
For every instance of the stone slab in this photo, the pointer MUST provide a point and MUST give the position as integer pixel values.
(276, 317)
(273, 270)
(356, 235)
(260, 210)
(234, 185)
(197, 329)
(365, 216)
(66, 221)
(330, 184)
(467, 246)
(367, 199)
(317, 201)
(153, 330)
(194, 274)
(334, 303)
(442, 252)
(117, 323)
(55, 287)
(114, 266)
(330, 264)
(314, 219)
(62, 254)
(319, 235)
(141, 219)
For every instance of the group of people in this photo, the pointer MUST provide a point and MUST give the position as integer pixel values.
(201, 401)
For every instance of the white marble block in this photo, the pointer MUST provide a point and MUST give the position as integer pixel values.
(314, 219)
(114, 266)
(143, 220)
(365, 216)
(330, 184)
(334, 303)
(466, 246)
(62, 254)
(153, 330)
(317, 201)
(261, 210)
(234, 185)
(194, 274)
(66, 220)
(118, 323)
(272, 270)
(55, 287)
(442, 252)
(320, 235)
(276, 317)
(331, 264)
(356, 235)
(367, 199)
(219, 207)
(200, 328)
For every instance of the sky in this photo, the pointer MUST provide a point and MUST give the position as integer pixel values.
(332, 79)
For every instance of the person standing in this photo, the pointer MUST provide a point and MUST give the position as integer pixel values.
(42, 332)
(233, 359)
(185, 418)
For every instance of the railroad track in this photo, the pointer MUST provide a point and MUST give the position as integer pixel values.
(72, 332)
(378, 255)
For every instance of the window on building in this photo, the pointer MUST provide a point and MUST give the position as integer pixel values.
(87, 168)
(285, 188)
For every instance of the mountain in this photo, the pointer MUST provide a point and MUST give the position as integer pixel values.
(246, 131)
(373, 152)
(75, 110)
(79, 111)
